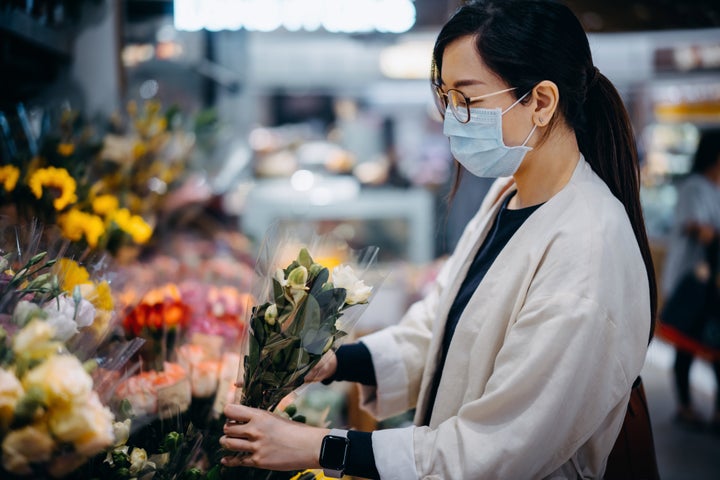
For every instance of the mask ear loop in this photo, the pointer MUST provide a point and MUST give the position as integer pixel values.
(516, 102)
(534, 126)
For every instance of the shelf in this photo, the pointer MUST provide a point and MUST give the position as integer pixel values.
(27, 29)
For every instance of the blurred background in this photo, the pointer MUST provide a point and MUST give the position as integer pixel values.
(307, 112)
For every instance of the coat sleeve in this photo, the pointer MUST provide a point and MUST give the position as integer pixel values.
(540, 405)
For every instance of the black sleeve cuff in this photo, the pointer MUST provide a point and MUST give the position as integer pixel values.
(361, 459)
(354, 364)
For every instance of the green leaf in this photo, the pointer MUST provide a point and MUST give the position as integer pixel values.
(319, 281)
(304, 258)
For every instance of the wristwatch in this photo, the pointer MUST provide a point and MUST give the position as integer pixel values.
(334, 452)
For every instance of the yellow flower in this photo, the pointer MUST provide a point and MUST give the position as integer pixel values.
(71, 274)
(104, 205)
(102, 298)
(57, 179)
(9, 175)
(88, 425)
(139, 150)
(10, 392)
(20, 448)
(133, 225)
(66, 149)
(319, 475)
(61, 378)
(77, 225)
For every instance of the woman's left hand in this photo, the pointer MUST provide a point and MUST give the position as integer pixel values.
(267, 441)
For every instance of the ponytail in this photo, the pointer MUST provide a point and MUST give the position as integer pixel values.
(608, 143)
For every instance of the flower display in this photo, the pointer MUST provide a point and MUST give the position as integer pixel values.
(51, 419)
(103, 189)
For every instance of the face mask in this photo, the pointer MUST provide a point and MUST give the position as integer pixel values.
(478, 145)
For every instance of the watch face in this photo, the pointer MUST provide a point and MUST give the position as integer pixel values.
(334, 452)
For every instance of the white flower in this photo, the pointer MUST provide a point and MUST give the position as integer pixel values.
(357, 292)
(271, 314)
(280, 277)
(66, 318)
(138, 460)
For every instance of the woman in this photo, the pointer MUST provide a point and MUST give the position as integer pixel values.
(697, 226)
(520, 361)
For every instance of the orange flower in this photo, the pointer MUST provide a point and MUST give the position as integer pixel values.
(160, 308)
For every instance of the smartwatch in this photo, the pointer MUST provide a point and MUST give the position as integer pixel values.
(334, 452)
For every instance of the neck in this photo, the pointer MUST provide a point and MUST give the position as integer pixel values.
(546, 169)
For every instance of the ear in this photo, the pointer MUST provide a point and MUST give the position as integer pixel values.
(546, 97)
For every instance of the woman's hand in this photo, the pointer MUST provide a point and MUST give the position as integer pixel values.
(267, 441)
(326, 368)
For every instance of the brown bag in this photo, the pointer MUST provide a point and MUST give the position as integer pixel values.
(633, 456)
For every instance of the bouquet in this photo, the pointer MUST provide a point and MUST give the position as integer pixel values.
(290, 333)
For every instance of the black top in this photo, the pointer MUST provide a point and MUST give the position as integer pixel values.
(353, 360)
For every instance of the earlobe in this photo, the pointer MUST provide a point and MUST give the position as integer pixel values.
(546, 96)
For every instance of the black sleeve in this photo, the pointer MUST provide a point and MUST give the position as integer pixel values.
(361, 459)
(354, 364)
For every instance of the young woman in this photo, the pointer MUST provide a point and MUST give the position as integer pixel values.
(520, 361)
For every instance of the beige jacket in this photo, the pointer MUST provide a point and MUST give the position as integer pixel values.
(538, 375)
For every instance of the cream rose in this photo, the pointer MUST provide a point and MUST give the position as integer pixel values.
(62, 378)
(10, 392)
(88, 425)
(344, 276)
(34, 340)
(20, 448)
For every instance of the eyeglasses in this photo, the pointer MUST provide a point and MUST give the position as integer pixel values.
(459, 103)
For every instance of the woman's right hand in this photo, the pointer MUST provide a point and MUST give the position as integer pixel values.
(326, 368)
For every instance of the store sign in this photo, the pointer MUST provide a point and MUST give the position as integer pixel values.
(347, 16)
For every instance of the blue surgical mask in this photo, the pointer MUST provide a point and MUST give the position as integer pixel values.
(478, 144)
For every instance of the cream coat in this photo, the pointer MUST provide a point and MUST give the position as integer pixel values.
(539, 372)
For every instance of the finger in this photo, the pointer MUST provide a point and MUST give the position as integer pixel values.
(236, 444)
(237, 460)
(236, 430)
(238, 413)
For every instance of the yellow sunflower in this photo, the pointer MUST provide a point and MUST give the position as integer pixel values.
(9, 175)
(57, 179)
(77, 225)
(133, 225)
(105, 205)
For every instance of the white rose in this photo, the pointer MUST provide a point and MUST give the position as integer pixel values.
(67, 316)
(357, 292)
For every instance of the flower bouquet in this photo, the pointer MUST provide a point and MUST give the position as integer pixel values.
(290, 334)
(309, 309)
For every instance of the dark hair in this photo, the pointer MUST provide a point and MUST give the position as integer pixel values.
(707, 154)
(528, 41)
